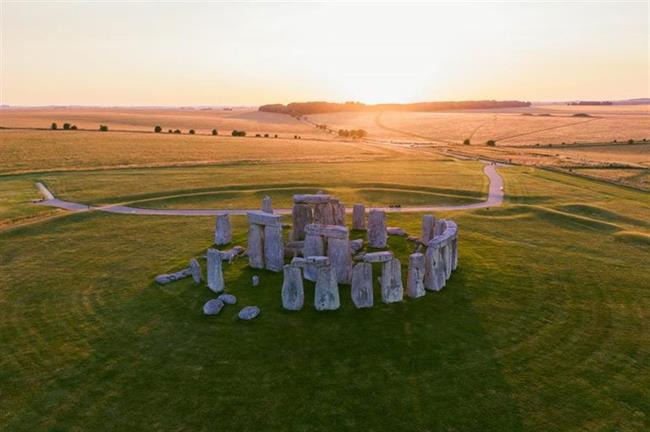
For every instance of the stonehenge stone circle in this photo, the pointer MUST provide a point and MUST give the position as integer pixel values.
(212, 307)
(293, 292)
(248, 313)
(222, 230)
(415, 280)
(356, 245)
(215, 271)
(359, 217)
(392, 289)
(362, 295)
(195, 270)
(377, 229)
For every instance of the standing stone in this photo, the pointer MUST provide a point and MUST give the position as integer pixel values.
(434, 276)
(326, 293)
(256, 246)
(359, 217)
(267, 206)
(301, 216)
(377, 229)
(428, 225)
(392, 289)
(293, 293)
(313, 247)
(273, 248)
(415, 281)
(339, 213)
(255, 280)
(440, 227)
(338, 251)
(446, 258)
(362, 295)
(324, 214)
(195, 269)
(215, 271)
(454, 264)
(222, 231)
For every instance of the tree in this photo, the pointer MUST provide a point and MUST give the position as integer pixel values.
(170, 131)
(54, 126)
(66, 126)
(157, 129)
(177, 131)
(192, 132)
(73, 127)
(466, 142)
(630, 141)
(103, 128)
(215, 132)
(238, 133)
(491, 143)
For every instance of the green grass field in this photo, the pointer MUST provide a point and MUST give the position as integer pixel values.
(544, 326)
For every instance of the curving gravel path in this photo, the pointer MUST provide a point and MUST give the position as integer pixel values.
(495, 198)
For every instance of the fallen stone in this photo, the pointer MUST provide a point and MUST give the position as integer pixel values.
(222, 230)
(377, 229)
(255, 280)
(227, 299)
(293, 293)
(415, 281)
(359, 256)
(195, 269)
(248, 313)
(356, 245)
(232, 253)
(395, 231)
(362, 295)
(171, 277)
(359, 217)
(212, 307)
(378, 257)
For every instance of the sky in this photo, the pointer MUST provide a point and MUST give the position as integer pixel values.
(200, 53)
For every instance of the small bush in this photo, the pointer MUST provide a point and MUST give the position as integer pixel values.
(169, 131)
(276, 135)
(215, 132)
(630, 141)
(490, 143)
(238, 133)
(73, 127)
(157, 129)
(258, 136)
(266, 135)
(192, 132)
(54, 126)
(103, 128)
(581, 115)
(466, 142)
(177, 131)
(66, 126)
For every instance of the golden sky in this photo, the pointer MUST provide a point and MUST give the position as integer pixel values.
(198, 53)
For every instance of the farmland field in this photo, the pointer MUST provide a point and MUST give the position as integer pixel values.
(544, 326)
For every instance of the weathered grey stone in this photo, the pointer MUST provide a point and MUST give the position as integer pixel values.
(455, 253)
(255, 280)
(222, 230)
(299, 262)
(392, 289)
(313, 247)
(212, 307)
(356, 245)
(215, 271)
(339, 213)
(396, 231)
(330, 231)
(378, 257)
(248, 313)
(446, 258)
(359, 256)
(301, 216)
(273, 248)
(415, 281)
(324, 214)
(293, 293)
(377, 229)
(227, 299)
(440, 227)
(171, 277)
(434, 272)
(359, 217)
(267, 205)
(255, 246)
(326, 292)
(260, 218)
(312, 198)
(232, 253)
(195, 269)
(318, 261)
(362, 295)
(338, 251)
(428, 225)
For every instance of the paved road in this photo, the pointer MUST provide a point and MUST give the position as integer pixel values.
(495, 198)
